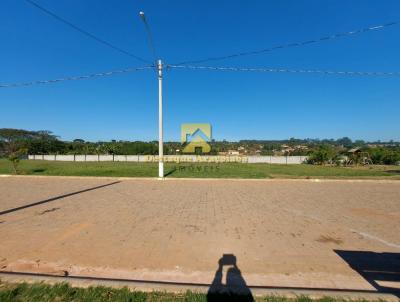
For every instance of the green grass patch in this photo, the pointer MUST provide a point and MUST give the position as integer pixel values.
(40, 292)
(198, 170)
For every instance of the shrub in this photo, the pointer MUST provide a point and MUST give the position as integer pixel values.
(323, 155)
(15, 157)
(384, 156)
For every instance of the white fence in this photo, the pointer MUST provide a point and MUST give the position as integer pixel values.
(175, 158)
(277, 159)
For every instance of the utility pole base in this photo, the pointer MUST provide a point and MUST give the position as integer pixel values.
(161, 170)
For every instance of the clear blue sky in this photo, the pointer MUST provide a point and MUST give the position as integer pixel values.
(35, 46)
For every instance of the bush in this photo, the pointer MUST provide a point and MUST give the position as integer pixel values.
(15, 157)
(383, 156)
(323, 155)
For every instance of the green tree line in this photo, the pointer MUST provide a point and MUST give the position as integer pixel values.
(15, 143)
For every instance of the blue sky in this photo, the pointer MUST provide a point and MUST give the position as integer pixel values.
(35, 46)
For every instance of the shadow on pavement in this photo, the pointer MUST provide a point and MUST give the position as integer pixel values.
(381, 270)
(55, 198)
(235, 288)
(393, 171)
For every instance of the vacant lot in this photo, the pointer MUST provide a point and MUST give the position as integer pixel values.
(291, 233)
(225, 170)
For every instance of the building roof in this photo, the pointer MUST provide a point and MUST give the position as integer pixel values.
(354, 150)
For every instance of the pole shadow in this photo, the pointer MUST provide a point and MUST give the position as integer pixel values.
(173, 170)
(55, 198)
(235, 288)
(381, 270)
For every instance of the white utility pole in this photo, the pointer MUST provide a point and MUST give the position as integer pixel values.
(160, 123)
(160, 112)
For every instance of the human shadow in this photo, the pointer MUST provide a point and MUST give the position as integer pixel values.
(381, 270)
(235, 288)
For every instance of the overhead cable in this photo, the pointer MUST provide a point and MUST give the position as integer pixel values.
(284, 70)
(289, 45)
(76, 78)
(86, 33)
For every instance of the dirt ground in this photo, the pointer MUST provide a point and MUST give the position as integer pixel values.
(285, 233)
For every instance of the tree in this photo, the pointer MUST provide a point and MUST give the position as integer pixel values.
(79, 140)
(14, 143)
(384, 156)
(15, 158)
(14, 139)
(345, 142)
(34, 141)
(17, 143)
(323, 155)
(359, 143)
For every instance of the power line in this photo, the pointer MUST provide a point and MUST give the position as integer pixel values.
(280, 70)
(289, 45)
(75, 78)
(213, 68)
(86, 33)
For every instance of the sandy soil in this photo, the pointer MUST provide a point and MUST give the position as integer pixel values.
(296, 233)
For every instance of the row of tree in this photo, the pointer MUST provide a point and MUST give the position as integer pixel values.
(345, 142)
(14, 143)
(328, 154)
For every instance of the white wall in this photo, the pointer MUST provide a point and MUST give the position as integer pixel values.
(175, 158)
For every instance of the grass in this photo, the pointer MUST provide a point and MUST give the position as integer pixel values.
(200, 170)
(40, 292)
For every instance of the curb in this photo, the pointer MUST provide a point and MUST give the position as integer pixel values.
(176, 287)
(356, 180)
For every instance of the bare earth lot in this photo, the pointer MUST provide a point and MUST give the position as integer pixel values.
(294, 233)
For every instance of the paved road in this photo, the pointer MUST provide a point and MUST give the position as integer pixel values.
(295, 233)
